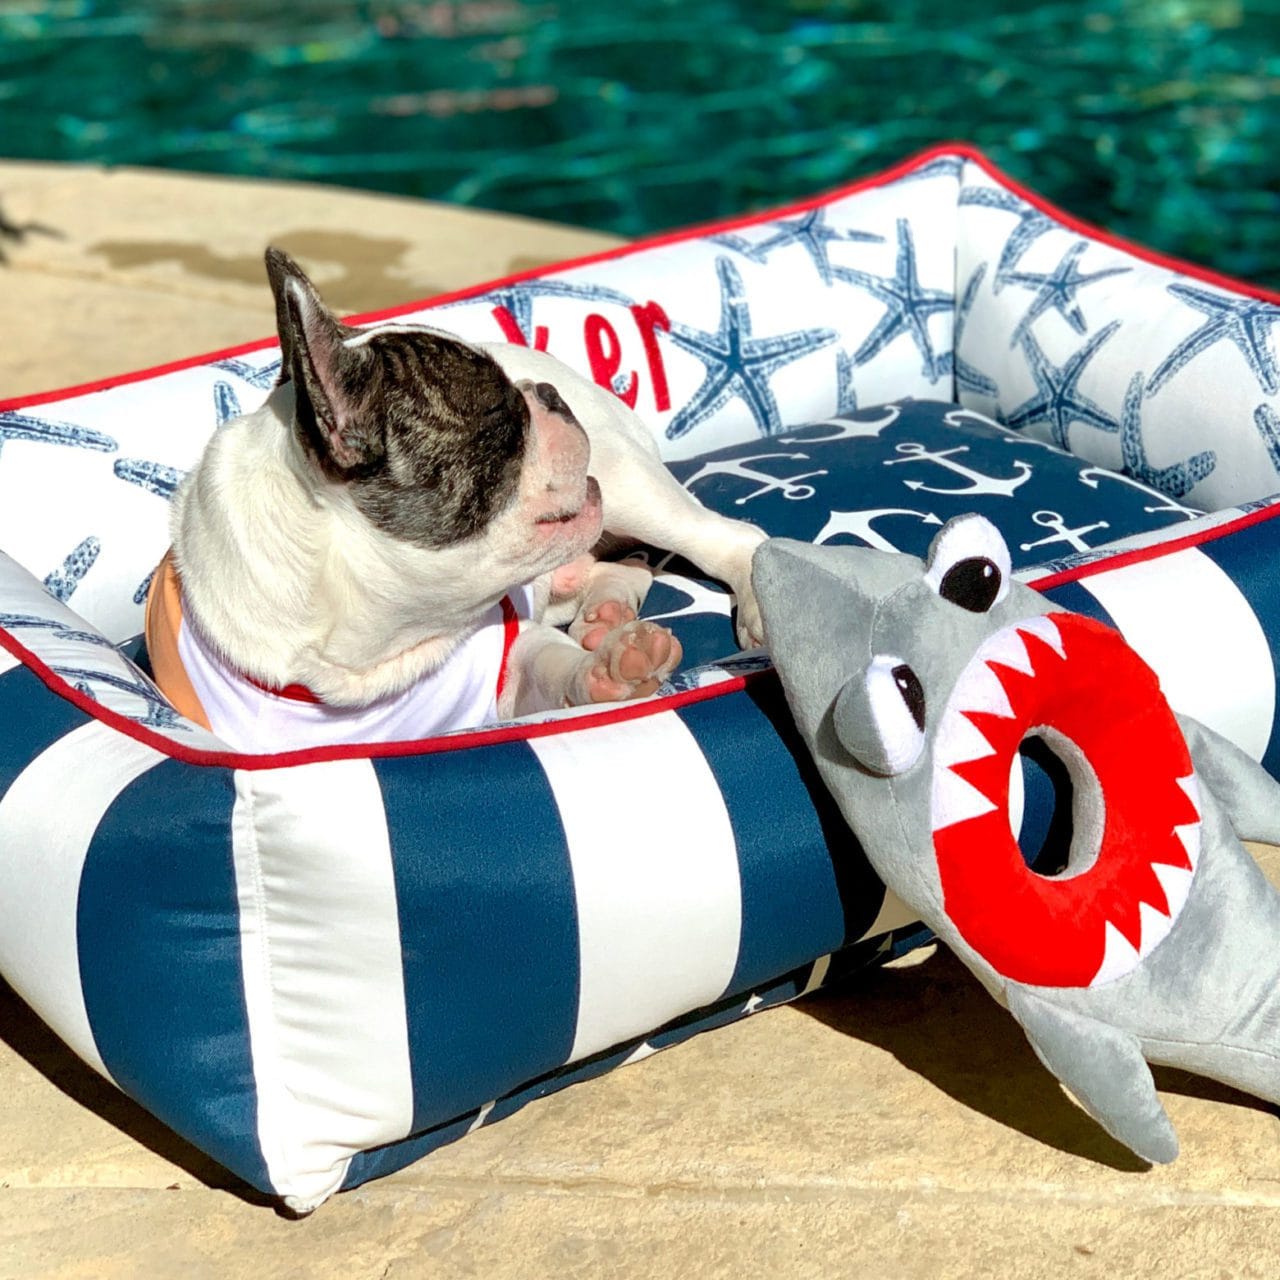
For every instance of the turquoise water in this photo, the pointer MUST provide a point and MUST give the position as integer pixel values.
(1157, 118)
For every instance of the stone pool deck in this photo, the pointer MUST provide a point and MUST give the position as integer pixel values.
(900, 1128)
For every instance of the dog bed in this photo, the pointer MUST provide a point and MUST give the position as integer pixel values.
(319, 966)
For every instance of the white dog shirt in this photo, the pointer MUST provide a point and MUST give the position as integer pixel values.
(251, 717)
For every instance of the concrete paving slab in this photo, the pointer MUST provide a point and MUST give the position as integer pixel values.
(130, 268)
(900, 1127)
(513, 1233)
(790, 1145)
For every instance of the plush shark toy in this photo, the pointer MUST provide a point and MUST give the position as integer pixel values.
(1159, 941)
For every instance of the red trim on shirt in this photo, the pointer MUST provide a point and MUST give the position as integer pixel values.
(510, 629)
(294, 692)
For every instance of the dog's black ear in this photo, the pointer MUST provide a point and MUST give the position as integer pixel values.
(328, 375)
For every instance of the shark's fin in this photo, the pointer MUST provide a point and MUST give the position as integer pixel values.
(1248, 794)
(1105, 1070)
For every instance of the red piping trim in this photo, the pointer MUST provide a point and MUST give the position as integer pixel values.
(522, 733)
(617, 714)
(1095, 232)
(1155, 550)
(471, 291)
(963, 150)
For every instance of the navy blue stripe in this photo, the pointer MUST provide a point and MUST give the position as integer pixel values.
(1071, 595)
(488, 923)
(1249, 557)
(158, 930)
(383, 1160)
(32, 718)
(806, 884)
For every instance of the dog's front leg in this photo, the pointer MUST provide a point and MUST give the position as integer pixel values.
(644, 502)
(548, 670)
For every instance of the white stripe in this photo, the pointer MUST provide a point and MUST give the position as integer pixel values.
(7, 661)
(323, 974)
(655, 873)
(1195, 628)
(48, 818)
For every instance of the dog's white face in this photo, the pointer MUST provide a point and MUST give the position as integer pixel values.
(556, 512)
(434, 445)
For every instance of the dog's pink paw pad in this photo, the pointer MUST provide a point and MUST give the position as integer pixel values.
(633, 660)
(600, 619)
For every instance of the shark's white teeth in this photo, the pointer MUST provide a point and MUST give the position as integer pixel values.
(1191, 788)
(1176, 883)
(1154, 926)
(960, 740)
(1044, 628)
(1189, 833)
(955, 800)
(1189, 836)
(1119, 957)
(983, 692)
(1009, 649)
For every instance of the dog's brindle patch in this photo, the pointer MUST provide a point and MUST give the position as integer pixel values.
(428, 434)
(451, 432)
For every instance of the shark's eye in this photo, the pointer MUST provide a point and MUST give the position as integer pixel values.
(968, 564)
(879, 716)
(973, 584)
(908, 685)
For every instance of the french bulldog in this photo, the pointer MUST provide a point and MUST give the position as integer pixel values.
(389, 545)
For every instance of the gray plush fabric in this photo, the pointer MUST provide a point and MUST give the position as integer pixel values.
(1160, 940)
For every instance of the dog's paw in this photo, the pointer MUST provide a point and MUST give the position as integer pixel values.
(750, 625)
(737, 574)
(631, 661)
(591, 626)
(611, 597)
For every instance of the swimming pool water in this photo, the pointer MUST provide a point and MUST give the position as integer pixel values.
(1157, 118)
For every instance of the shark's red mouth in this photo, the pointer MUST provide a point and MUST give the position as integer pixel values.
(1136, 815)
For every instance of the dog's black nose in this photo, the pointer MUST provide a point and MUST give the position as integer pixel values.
(553, 401)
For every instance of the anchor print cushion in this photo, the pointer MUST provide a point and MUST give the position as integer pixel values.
(890, 477)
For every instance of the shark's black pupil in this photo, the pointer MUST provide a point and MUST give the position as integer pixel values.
(973, 584)
(912, 692)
